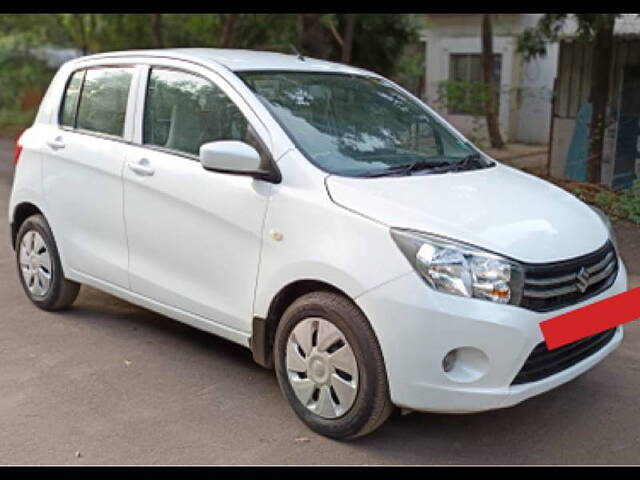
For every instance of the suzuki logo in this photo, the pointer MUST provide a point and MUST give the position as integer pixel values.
(583, 279)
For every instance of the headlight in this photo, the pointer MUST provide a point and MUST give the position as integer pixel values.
(607, 223)
(459, 269)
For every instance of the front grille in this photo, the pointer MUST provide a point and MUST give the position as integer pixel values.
(555, 285)
(543, 363)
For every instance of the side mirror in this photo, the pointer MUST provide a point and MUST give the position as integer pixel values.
(232, 156)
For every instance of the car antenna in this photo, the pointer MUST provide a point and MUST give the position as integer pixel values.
(295, 50)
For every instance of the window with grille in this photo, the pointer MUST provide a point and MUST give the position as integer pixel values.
(465, 89)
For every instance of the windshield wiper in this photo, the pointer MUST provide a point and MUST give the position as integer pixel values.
(469, 162)
(392, 170)
(407, 168)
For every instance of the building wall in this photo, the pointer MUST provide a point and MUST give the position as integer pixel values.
(536, 83)
(536, 86)
(525, 98)
(438, 56)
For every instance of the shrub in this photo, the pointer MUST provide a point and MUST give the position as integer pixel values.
(21, 74)
(630, 202)
(13, 117)
(625, 205)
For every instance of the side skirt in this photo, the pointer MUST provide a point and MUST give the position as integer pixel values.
(191, 319)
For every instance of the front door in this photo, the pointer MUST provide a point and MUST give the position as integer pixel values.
(194, 236)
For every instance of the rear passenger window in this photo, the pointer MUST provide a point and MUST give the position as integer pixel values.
(103, 100)
(184, 111)
(70, 101)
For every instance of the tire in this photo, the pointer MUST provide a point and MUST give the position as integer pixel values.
(48, 293)
(347, 415)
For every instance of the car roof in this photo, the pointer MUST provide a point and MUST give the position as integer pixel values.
(239, 60)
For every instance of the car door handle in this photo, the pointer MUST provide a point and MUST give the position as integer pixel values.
(56, 143)
(142, 167)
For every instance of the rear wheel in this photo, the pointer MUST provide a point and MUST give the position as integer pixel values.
(39, 266)
(330, 368)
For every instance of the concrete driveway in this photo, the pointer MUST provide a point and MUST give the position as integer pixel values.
(109, 383)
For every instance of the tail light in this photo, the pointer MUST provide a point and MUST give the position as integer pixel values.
(18, 149)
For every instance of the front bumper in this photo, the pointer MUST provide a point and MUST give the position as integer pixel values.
(417, 326)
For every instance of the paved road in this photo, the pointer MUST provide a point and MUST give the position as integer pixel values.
(109, 383)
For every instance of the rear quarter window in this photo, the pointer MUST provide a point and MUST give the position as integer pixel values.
(103, 100)
(70, 99)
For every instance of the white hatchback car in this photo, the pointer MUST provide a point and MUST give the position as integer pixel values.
(317, 214)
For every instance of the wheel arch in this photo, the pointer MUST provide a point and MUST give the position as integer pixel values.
(21, 212)
(263, 329)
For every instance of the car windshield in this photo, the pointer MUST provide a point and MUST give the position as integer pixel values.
(354, 125)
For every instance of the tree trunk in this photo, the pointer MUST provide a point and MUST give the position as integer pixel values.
(156, 30)
(228, 38)
(84, 43)
(600, 70)
(347, 47)
(490, 109)
(314, 40)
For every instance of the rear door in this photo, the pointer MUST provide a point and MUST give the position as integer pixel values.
(82, 172)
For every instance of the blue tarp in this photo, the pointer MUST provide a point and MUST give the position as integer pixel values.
(576, 166)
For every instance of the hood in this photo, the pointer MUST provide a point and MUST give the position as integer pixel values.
(499, 209)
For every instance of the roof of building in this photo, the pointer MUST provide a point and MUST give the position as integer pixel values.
(627, 25)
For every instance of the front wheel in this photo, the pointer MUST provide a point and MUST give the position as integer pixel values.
(39, 266)
(330, 368)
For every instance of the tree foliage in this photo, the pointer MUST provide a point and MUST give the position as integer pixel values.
(377, 39)
(533, 41)
(372, 41)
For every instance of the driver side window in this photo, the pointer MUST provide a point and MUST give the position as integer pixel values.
(183, 111)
